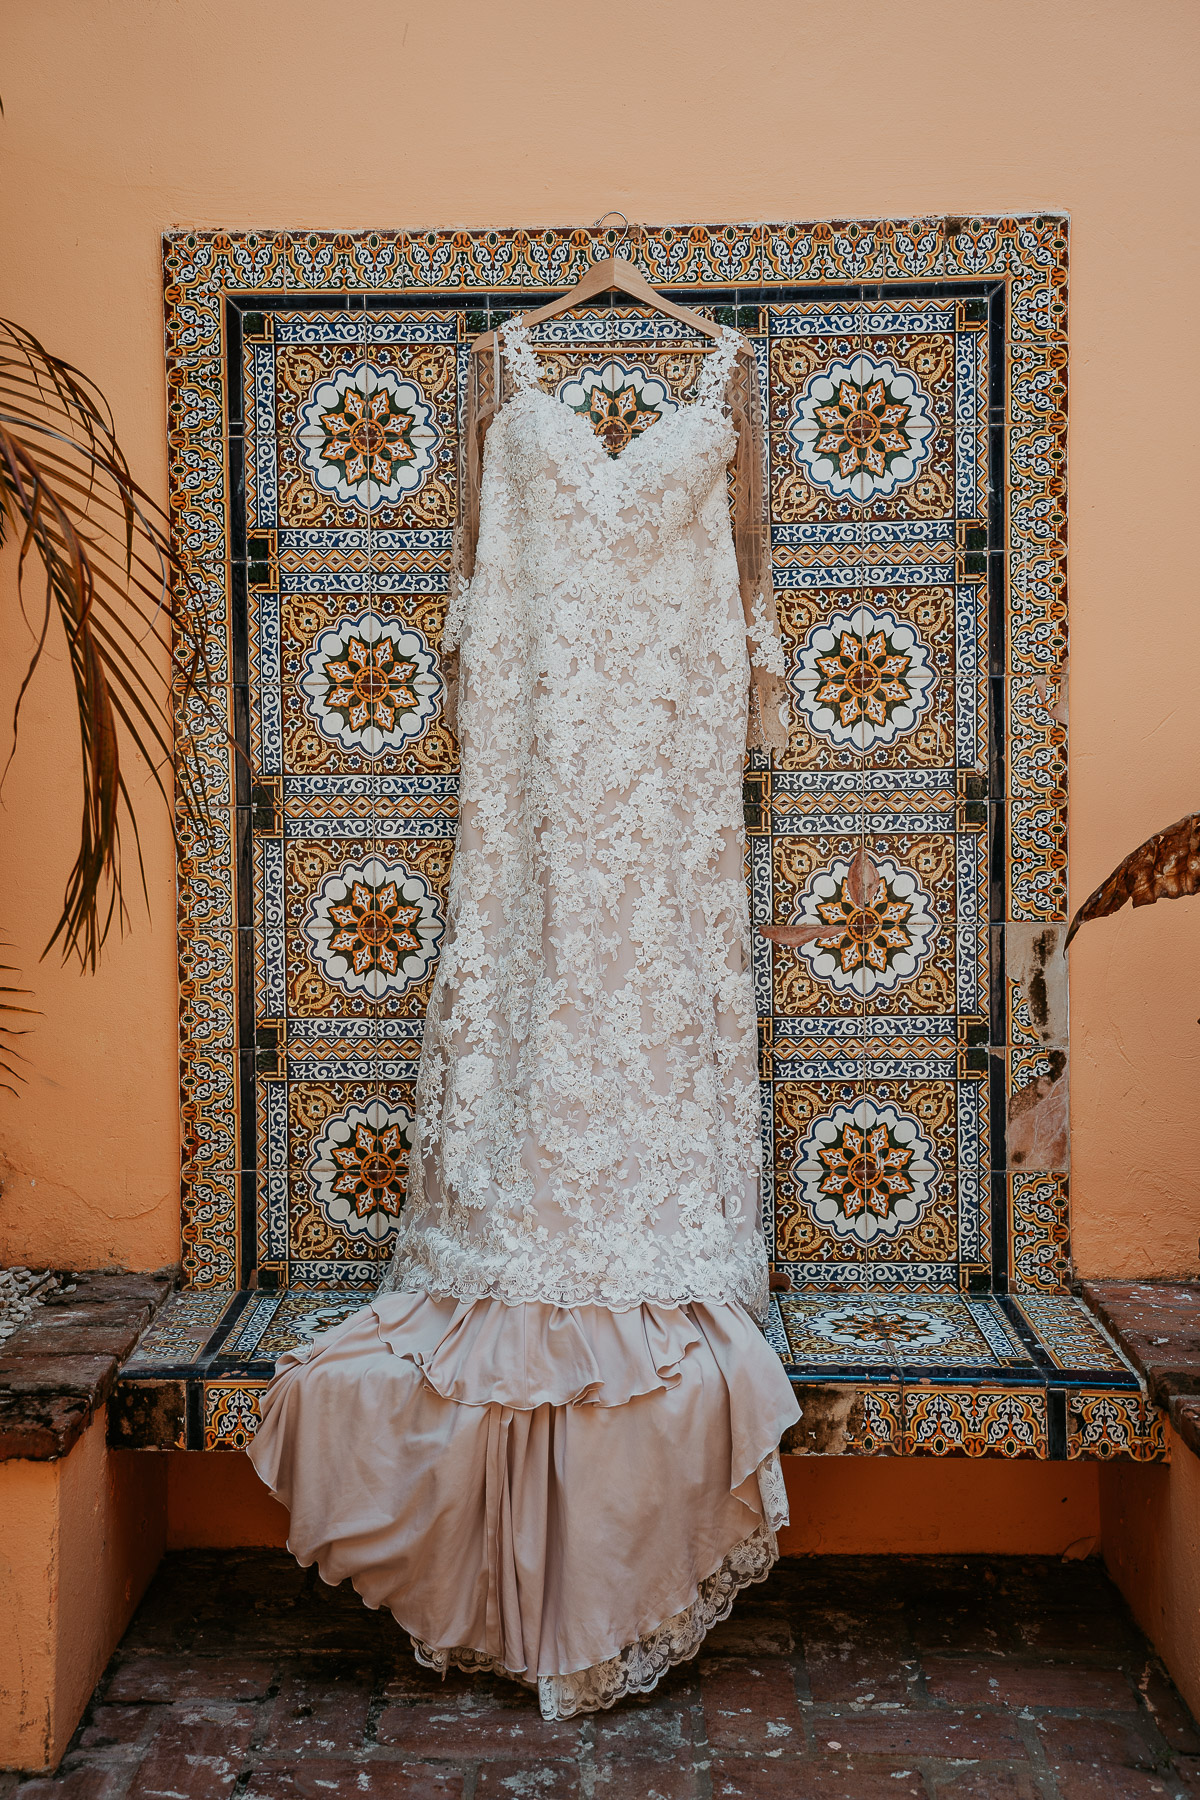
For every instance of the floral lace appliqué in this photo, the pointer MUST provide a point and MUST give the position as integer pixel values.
(763, 633)
(587, 1109)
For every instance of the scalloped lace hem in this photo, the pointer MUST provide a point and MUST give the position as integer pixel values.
(640, 1666)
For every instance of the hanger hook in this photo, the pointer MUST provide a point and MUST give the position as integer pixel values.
(613, 213)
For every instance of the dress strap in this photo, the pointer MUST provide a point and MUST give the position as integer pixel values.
(717, 366)
(521, 360)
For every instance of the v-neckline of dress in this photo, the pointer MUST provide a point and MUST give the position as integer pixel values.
(590, 437)
(529, 382)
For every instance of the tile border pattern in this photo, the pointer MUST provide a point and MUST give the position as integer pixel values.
(1011, 1397)
(1029, 254)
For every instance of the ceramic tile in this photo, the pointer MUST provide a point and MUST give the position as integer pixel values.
(836, 1333)
(231, 1414)
(1103, 1425)
(1005, 1421)
(274, 1323)
(347, 1162)
(1070, 1336)
(180, 1333)
(867, 1179)
(1039, 1233)
(900, 1331)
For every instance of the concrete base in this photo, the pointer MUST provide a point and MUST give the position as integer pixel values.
(1150, 1528)
(82, 1536)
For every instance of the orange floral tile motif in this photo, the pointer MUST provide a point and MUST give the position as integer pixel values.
(348, 1145)
(361, 690)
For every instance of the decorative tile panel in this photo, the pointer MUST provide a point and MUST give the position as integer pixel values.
(1008, 1422)
(914, 1059)
(1039, 1233)
(1069, 1334)
(231, 1414)
(183, 1330)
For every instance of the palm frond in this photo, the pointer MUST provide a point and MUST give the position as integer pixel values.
(124, 601)
(1165, 867)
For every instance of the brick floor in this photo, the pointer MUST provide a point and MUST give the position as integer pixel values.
(244, 1678)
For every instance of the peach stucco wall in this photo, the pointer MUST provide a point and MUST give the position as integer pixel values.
(81, 1538)
(1150, 1522)
(128, 116)
(866, 1506)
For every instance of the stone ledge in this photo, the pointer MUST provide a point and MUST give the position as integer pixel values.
(60, 1367)
(1157, 1325)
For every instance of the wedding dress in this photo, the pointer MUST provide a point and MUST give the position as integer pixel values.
(549, 1443)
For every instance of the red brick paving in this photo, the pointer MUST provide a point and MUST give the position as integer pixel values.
(317, 1780)
(189, 1678)
(751, 1705)
(197, 1750)
(244, 1678)
(996, 1684)
(319, 1714)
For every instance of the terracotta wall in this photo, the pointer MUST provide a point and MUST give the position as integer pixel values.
(82, 1536)
(124, 117)
(1150, 1523)
(840, 1505)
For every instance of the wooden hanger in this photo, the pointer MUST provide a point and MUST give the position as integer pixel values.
(613, 272)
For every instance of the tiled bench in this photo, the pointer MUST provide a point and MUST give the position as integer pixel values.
(979, 1375)
(1047, 1376)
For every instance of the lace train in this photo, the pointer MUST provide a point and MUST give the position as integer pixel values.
(494, 1476)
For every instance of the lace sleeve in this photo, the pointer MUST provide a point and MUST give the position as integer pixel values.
(478, 413)
(769, 713)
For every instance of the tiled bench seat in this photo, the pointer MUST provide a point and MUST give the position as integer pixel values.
(978, 1375)
(1048, 1375)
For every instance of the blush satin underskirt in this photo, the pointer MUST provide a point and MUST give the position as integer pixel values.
(570, 1496)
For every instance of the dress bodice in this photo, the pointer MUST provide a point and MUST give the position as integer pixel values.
(587, 1107)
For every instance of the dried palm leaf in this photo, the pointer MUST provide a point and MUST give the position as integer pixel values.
(863, 882)
(123, 600)
(1165, 867)
(8, 1049)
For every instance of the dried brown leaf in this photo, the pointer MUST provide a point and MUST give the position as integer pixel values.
(9, 1054)
(863, 880)
(793, 935)
(1165, 867)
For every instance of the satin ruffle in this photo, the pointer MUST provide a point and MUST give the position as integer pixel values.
(533, 1483)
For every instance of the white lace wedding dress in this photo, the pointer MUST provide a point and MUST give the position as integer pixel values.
(549, 1445)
